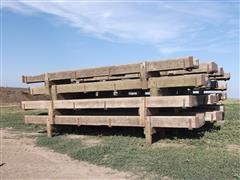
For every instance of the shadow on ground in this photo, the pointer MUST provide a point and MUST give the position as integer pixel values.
(170, 133)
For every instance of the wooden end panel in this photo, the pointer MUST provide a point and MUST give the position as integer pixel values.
(34, 119)
(212, 67)
(213, 116)
(213, 99)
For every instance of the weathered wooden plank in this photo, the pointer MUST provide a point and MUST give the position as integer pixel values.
(99, 120)
(203, 68)
(100, 86)
(189, 122)
(171, 64)
(131, 102)
(224, 77)
(104, 103)
(33, 79)
(125, 69)
(39, 90)
(103, 78)
(86, 120)
(179, 81)
(62, 75)
(160, 82)
(35, 104)
(171, 101)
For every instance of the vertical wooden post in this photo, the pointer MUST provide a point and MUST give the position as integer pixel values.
(142, 111)
(145, 121)
(50, 119)
(148, 130)
(53, 92)
(53, 96)
(144, 75)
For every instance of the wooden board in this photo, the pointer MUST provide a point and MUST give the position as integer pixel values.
(225, 77)
(171, 101)
(179, 81)
(103, 103)
(205, 68)
(132, 102)
(106, 78)
(170, 64)
(160, 82)
(189, 122)
(87, 120)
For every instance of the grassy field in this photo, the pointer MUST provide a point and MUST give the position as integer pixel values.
(208, 153)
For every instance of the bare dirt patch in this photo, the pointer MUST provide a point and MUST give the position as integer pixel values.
(21, 159)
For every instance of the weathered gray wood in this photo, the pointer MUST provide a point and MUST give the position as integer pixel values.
(189, 122)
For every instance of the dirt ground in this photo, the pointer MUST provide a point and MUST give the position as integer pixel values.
(21, 159)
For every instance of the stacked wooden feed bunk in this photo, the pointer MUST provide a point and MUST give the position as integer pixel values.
(174, 93)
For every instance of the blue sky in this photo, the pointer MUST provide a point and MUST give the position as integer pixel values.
(51, 36)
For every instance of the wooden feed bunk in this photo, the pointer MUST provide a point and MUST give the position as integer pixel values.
(174, 93)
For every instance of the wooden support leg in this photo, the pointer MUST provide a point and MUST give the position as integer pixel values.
(50, 119)
(148, 131)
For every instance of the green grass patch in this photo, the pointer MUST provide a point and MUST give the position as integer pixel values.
(198, 154)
